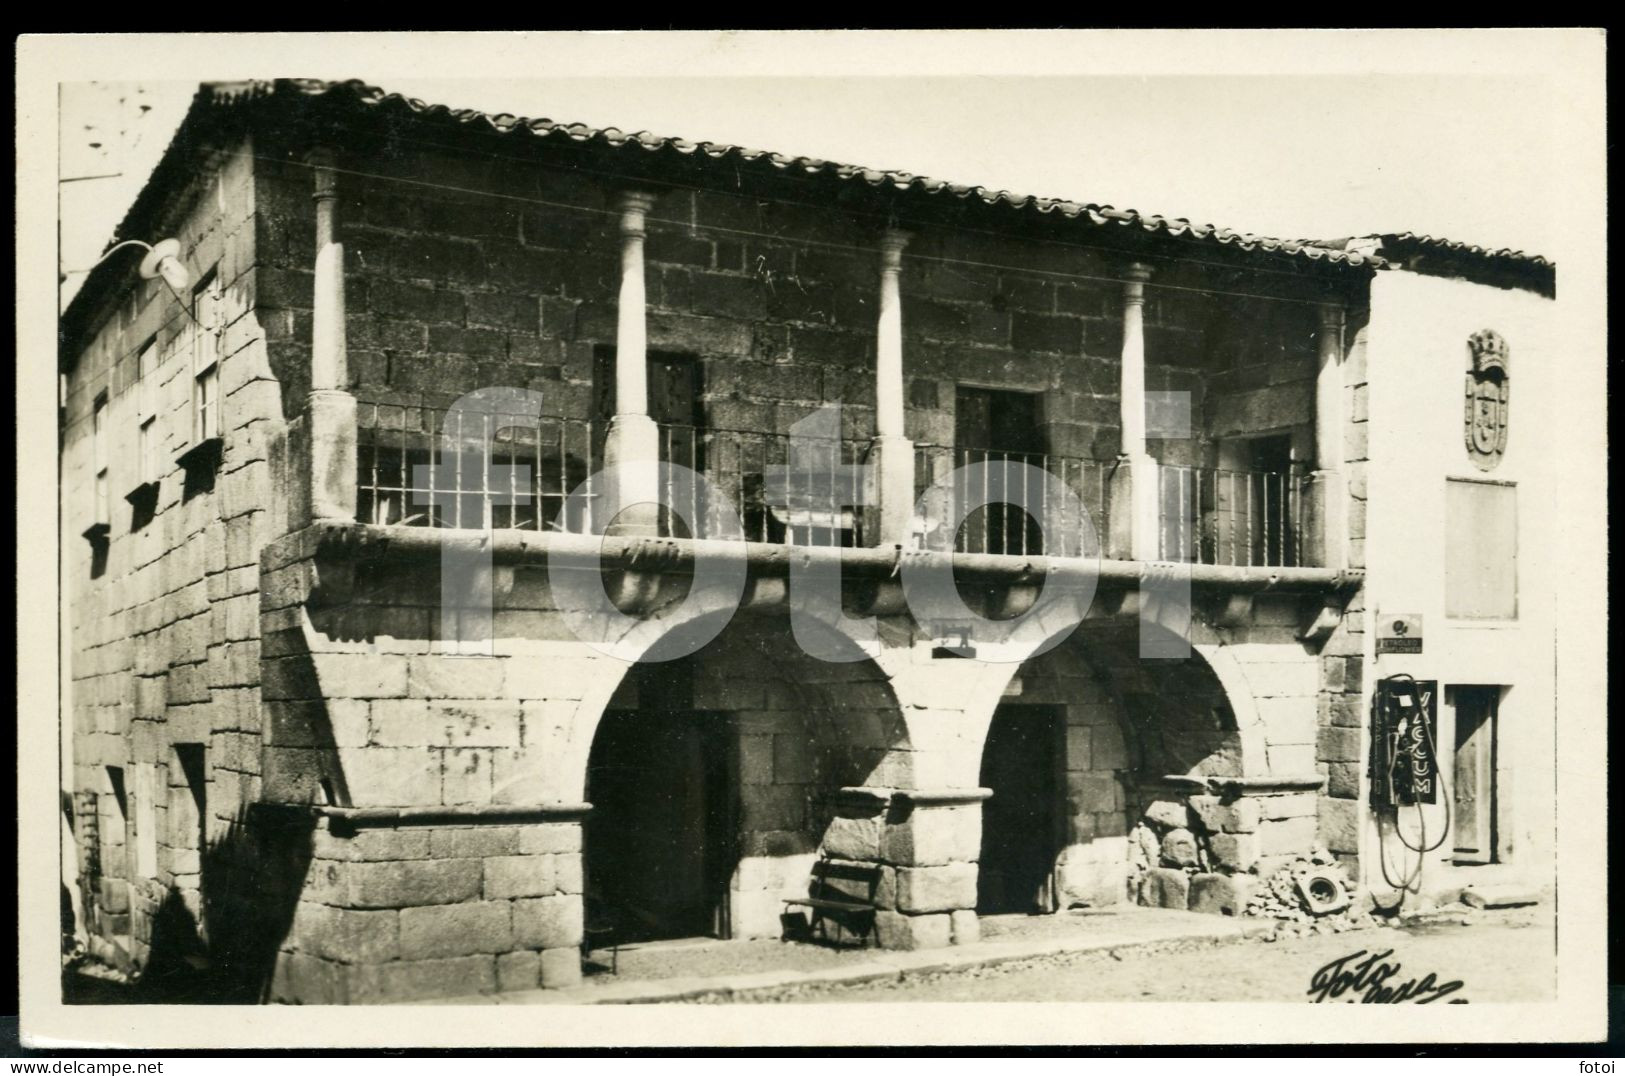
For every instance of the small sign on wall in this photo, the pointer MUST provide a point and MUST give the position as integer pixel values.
(1399, 633)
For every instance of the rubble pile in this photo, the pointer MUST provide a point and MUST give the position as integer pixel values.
(1279, 897)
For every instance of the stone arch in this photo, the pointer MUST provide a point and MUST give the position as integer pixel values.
(797, 730)
(1133, 728)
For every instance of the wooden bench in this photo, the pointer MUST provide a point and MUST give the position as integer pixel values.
(842, 892)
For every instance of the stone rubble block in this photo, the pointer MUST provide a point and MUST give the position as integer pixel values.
(1179, 849)
(1291, 805)
(421, 979)
(1165, 887)
(1169, 814)
(899, 931)
(1291, 836)
(519, 971)
(413, 883)
(448, 676)
(936, 889)
(1221, 894)
(347, 935)
(1234, 852)
(561, 967)
(1498, 896)
(507, 877)
(964, 926)
(934, 836)
(457, 929)
(853, 838)
(547, 922)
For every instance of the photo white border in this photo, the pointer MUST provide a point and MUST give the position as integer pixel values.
(1571, 59)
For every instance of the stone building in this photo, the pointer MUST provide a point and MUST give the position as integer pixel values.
(286, 763)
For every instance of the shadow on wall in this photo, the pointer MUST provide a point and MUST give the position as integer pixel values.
(251, 878)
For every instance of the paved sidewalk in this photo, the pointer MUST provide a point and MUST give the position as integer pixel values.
(684, 971)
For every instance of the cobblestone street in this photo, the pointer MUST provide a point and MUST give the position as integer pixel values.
(1497, 956)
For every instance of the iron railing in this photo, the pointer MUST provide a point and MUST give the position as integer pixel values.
(515, 472)
(948, 478)
(803, 498)
(1244, 518)
(518, 472)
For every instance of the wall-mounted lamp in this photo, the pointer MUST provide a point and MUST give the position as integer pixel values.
(162, 261)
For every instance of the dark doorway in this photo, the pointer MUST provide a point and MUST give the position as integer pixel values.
(1020, 822)
(996, 426)
(659, 840)
(1269, 463)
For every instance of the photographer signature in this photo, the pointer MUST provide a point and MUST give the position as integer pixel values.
(1371, 981)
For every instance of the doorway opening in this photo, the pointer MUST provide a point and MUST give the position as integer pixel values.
(660, 839)
(998, 427)
(1475, 798)
(1021, 822)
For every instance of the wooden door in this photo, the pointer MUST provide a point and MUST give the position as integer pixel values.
(659, 837)
(1473, 804)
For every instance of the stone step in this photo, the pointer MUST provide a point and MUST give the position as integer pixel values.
(1505, 895)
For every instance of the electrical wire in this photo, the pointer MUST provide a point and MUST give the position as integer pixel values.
(623, 178)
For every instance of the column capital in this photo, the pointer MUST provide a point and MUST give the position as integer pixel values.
(1331, 316)
(892, 243)
(632, 205)
(321, 161)
(1135, 274)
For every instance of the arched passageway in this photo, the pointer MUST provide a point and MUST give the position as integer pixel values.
(714, 777)
(1079, 747)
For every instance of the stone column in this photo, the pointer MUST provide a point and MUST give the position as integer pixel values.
(331, 412)
(892, 453)
(1133, 523)
(1325, 512)
(931, 841)
(633, 438)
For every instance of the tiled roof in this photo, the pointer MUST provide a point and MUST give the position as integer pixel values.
(1450, 246)
(373, 98)
(1429, 253)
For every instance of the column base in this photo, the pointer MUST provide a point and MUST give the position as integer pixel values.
(1134, 518)
(332, 417)
(890, 521)
(632, 443)
(1325, 515)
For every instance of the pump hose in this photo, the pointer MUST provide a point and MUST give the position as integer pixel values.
(1411, 882)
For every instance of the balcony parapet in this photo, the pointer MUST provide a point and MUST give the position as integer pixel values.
(870, 575)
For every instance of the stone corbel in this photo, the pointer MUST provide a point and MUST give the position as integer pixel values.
(638, 589)
(873, 597)
(1323, 616)
(502, 581)
(1007, 603)
(1233, 610)
(339, 553)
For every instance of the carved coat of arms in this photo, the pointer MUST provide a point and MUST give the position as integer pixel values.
(1488, 389)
